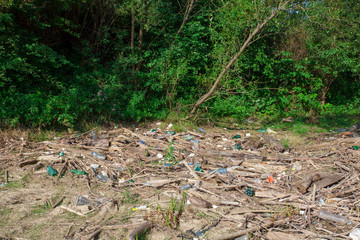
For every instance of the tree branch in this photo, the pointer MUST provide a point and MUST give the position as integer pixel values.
(237, 55)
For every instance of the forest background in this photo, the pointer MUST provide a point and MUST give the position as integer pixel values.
(67, 63)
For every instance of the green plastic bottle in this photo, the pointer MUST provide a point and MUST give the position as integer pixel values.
(51, 171)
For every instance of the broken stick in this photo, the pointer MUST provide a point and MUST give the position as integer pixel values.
(253, 229)
(133, 235)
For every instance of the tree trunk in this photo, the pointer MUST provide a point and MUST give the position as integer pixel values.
(237, 55)
(132, 37)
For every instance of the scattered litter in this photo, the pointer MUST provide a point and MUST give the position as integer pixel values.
(355, 234)
(143, 207)
(99, 156)
(237, 146)
(142, 142)
(102, 176)
(170, 133)
(321, 202)
(81, 200)
(186, 187)
(51, 171)
(94, 166)
(249, 192)
(78, 172)
(269, 130)
(211, 171)
(187, 137)
(296, 166)
(333, 217)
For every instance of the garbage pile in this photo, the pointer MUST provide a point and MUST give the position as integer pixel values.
(248, 181)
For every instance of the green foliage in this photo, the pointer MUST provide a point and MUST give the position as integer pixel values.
(172, 214)
(129, 198)
(63, 63)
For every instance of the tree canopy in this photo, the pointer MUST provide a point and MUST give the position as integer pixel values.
(65, 62)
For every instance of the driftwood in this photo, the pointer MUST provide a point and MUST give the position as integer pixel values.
(198, 202)
(239, 155)
(93, 235)
(304, 185)
(328, 180)
(28, 162)
(139, 230)
(253, 229)
(274, 143)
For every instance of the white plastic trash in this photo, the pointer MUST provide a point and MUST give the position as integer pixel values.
(355, 235)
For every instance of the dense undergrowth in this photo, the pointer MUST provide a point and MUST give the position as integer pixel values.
(64, 64)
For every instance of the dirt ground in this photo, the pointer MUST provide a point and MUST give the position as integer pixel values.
(194, 184)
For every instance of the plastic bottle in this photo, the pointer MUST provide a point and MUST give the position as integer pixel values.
(236, 136)
(237, 146)
(195, 144)
(186, 186)
(333, 217)
(51, 171)
(188, 137)
(102, 177)
(99, 156)
(222, 170)
(80, 200)
(170, 133)
(93, 134)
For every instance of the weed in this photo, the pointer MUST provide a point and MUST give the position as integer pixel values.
(171, 216)
(5, 216)
(285, 142)
(290, 211)
(20, 183)
(129, 198)
(169, 155)
(143, 235)
(41, 208)
(35, 231)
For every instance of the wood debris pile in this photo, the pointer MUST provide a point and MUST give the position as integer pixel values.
(249, 185)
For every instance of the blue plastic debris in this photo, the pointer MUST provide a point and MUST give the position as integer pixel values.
(142, 142)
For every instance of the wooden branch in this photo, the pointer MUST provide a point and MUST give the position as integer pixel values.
(253, 229)
(140, 229)
(189, 7)
(93, 235)
(232, 61)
